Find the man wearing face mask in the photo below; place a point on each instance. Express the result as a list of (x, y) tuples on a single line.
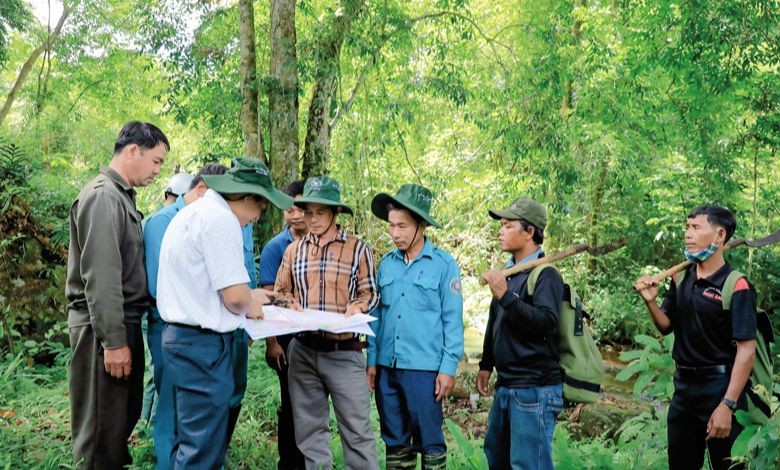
[(419, 332), (713, 348)]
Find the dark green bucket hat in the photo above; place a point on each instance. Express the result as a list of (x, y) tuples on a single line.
[(248, 176), (322, 190), (523, 208), (413, 197)]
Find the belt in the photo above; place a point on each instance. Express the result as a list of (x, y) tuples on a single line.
[(320, 342), (689, 372), (199, 329), (328, 336)]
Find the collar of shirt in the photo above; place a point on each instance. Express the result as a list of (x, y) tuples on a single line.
[(535, 255), (427, 250), (716, 279), (288, 234), (341, 236), (216, 197), (119, 181), (179, 204)]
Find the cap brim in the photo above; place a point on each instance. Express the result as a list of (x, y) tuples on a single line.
[(379, 208), (498, 215), (226, 184), (301, 202)]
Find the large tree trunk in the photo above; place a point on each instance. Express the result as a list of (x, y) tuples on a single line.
[(250, 123), (28, 64), (318, 126), (283, 93)]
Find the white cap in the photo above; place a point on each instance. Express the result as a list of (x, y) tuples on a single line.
[(179, 184)]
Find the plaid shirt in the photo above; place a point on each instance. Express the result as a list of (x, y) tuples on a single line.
[(330, 277)]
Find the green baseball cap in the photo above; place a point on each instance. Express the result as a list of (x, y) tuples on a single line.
[(322, 190), (523, 208), (412, 197), (248, 176)]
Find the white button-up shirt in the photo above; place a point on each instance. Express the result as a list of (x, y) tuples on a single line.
[(202, 252)]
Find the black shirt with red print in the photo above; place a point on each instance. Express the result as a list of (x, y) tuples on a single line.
[(705, 334)]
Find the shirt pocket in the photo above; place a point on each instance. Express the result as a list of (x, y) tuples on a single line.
[(427, 294), (134, 232), (387, 287)]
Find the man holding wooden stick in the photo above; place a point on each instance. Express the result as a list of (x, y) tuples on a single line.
[(714, 347), (519, 343)]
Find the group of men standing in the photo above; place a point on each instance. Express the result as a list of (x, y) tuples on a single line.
[(192, 269)]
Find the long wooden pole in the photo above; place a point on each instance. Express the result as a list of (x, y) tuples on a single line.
[(518, 268)]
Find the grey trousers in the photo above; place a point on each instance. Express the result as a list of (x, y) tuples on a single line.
[(314, 376)]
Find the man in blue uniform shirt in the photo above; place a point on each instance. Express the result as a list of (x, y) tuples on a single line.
[(419, 332)]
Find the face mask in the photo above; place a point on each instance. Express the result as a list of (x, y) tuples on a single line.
[(701, 255)]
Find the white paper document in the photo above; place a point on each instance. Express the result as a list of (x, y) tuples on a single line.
[(281, 321)]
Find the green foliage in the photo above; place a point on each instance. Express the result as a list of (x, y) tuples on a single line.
[(640, 445), (32, 273), (467, 454), (653, 366), (14, 14), (759, 442)]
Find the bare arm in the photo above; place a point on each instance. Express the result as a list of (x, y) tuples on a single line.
[(649, 295), (237, 298), (719, 425)]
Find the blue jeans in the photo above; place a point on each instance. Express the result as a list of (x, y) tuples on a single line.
[(162, 431), (409, 415), (521, 425)]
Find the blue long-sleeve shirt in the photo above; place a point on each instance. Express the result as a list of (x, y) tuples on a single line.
[(154, 229), (420, 314)]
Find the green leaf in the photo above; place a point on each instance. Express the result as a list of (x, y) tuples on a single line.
[(649, 342), (740, 447)]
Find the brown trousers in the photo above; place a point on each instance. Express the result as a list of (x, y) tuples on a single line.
[(104, 410)]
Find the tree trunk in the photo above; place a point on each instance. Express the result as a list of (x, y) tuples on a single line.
[(567, 102), (283, 93), (28, 64), (318, 126), (250, 127)]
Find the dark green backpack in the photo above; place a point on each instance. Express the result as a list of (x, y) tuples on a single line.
[(763, 363), (580, 357)]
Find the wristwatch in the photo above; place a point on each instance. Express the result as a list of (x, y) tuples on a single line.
[(731, 404)]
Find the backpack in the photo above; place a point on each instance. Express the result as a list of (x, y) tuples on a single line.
[(763, 363), (580, 357)]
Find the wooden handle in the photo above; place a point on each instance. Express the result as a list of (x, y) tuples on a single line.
[(518, 268), (662, 275)]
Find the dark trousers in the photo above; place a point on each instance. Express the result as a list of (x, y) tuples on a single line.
[(240, 360), (202, 383), (290, 457), (104, 410), (694, 400), (409, 415)]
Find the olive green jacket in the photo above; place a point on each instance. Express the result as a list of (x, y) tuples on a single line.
[(106, 284)]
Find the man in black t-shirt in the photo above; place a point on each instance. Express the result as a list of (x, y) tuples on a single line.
[(713, 349), (519, 343)]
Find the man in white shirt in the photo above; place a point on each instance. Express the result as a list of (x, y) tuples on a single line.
[(202, 294)]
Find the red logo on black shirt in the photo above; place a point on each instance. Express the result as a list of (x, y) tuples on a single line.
[(712, 293)]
